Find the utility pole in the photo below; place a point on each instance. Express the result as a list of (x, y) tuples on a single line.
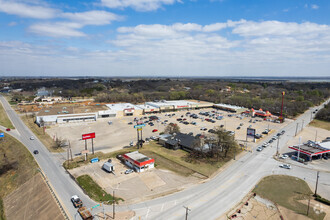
[(299, 149), (317, 181), (315, 135), (309, 201), (113, 205), (187, 210), (302, 126), (296, 129), (278, 141)]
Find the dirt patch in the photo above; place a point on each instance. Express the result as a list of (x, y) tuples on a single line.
[(32, 200), (119, 215)]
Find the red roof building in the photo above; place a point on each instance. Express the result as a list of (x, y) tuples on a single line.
[(138, 161)]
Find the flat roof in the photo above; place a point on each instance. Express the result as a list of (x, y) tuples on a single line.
[(137, 156), (70, 109), (172, 103), (309, 150), (146, 106), (121, 106), (228, 106)]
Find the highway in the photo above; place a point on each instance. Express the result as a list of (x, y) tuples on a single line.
[(209, 200)]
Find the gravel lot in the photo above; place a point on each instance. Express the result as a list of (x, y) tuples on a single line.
[(119, 134)]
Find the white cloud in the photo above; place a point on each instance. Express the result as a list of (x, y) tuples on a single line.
[(92, 17), (139, 5), (314, 7), (58, 29), (25, 10), (11, 24)]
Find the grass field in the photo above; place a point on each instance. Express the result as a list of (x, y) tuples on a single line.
[(16, 166), (321, 124), (165, 159), (38, 131), (286, 191), (4, 120), (94, 191)]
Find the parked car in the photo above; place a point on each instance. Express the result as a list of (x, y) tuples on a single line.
[(204, 129), (129, 171), (155, 130), (259, 149), (285, 166), (284, 156), (36, 152), (238, 128), (212, 131), (119, 157), (130, 123), (31, 138), (110, 122)]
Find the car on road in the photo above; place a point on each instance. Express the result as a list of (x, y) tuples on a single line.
[(286, 166), (130, 123), (76, 201), (31, 138), (129, 171), (259, 149), (35, 152), (8, 129), (155, 130), (284, 156)]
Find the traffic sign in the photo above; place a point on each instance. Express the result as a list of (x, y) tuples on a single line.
[(139, 126), (139, 129), (95, 206), (2, 135)]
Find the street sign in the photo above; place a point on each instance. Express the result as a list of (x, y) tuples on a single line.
[(251, 132), (85, 152), (95, 206), (139, 126), (2, 135), (88, 136)]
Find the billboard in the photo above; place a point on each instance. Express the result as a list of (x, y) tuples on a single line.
[(251, 132), (88, 136)]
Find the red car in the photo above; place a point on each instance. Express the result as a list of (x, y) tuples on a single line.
[(155, 130), (8, 129)]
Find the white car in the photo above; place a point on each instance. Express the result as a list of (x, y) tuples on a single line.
[(259, 149), (31, 138), (285, 166), (284, 156)]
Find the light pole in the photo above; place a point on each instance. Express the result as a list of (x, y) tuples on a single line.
[(278, 141), (317, 181), (299, 149), (187, 210)]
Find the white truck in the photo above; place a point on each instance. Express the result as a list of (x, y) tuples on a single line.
[(109, 167)]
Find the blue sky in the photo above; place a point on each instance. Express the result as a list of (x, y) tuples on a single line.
[(165, 38)]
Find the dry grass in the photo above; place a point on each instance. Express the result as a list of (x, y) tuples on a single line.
[(4, 120), (320, 124), (287, 191), (16, 166), (42, 136)]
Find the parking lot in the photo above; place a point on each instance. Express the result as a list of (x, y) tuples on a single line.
[(121, 131), (135, 187)]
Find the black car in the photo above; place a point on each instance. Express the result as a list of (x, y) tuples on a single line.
[(130, 123), (36, 152)]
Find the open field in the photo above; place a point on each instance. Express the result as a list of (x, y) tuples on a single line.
[(288, 192), (38, 131), (4, 120), (32, 200), (320, 124), (120, 133)]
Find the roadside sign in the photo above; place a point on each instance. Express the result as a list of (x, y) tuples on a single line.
[(251, 132), (88, 136), (2, 135), (139, 126), (84, 152), (94, 160), (95, 206), (139, 129)]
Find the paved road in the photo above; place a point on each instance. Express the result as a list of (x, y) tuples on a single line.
[(206, 201)]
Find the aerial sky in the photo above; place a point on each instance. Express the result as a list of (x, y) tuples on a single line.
[(165, 38)]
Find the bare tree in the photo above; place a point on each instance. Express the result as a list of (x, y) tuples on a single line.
[(172, 128)]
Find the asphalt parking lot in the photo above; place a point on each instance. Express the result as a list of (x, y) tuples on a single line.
[(120, 133)]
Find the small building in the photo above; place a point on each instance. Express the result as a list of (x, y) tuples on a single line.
[(312, 150), (138, 161), (148, 108)]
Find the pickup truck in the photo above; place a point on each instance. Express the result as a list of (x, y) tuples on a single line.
[(76, 201), (85, 213)]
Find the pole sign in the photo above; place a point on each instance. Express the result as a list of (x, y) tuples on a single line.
[(2, 135), (88, 136), (139, 126), (251, 132)]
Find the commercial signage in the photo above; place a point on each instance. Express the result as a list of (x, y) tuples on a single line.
[(88, 136), (251, 132), (182, 106), (2, 135), (85, 152), (139, 126)]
